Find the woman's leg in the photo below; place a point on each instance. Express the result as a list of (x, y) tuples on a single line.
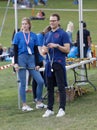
[(22, 77)]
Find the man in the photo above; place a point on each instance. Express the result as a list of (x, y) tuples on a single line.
[(86, 40), (56, 46)]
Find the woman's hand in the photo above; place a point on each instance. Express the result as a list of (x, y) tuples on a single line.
[(44, 50), (16, 67), (37, 67)]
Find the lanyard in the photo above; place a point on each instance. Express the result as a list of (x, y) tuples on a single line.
[(51, 60), (27, 40)]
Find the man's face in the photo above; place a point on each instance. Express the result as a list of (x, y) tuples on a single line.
[(54, 23)]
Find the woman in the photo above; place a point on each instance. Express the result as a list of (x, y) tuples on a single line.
[(69, 30), (39, 59), (24, 43)]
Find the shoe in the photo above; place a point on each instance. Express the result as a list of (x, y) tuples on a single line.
[(48, 113), (26, 108), (35, 100), (41, 105), (61, 113)]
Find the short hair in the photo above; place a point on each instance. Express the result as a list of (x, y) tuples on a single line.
[(56, 15), (84, 24)]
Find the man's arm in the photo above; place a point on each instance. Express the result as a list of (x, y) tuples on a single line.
[(65, 48), (89, 41)]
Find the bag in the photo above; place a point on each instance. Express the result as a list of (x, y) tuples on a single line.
[(48, 68)]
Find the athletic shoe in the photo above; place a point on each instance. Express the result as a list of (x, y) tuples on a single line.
[(60, 113), (48, 113), (41, 105), (26, 108), (35, 100)]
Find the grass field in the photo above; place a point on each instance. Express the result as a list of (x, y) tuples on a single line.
[(66, 15), (81, 114)]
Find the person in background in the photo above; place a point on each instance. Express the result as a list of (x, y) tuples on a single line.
[(89, 51), (44, 2), (40, 61), (39, 2), (13, 2), (5, 54), (56, 46), (24, 58), (36, 2), (73, 51), (86, 40), (39, 16), (69, 30), (1, 51)]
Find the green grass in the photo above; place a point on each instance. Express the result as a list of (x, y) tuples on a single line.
[(81, 114), (38, 26)]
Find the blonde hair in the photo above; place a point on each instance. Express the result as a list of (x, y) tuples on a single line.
[(28, 21), (70, 27)]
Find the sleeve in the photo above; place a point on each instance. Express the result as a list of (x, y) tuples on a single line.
[(66, 38), (16, 38), (36, 53), (35, 40), (15, 54), (40, 39)]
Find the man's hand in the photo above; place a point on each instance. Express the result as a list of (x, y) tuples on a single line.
[(52, 45), (37, 67)]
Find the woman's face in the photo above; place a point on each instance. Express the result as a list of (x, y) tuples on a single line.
[(25, 25)]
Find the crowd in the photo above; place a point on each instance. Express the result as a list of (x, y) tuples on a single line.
[(29, 3)]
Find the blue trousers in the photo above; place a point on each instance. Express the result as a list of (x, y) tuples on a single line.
[(28, 62)]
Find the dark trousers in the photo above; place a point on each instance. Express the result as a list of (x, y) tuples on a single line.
[(85, 49), (59, 73)]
